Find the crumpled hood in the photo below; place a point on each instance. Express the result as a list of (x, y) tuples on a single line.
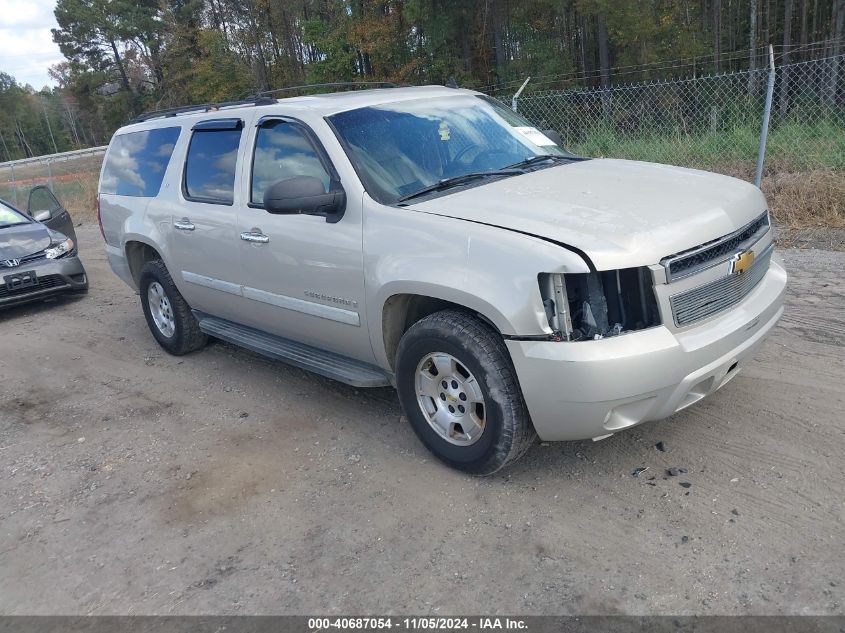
[(23, 239), (620, 213)]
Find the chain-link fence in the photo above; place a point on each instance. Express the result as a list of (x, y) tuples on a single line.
[(712, 122), (72, 176)]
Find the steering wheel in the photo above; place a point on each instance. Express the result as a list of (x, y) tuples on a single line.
[(461, 153), (484, 160)]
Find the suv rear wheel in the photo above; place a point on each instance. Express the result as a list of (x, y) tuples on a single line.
[(459, 390), (168, 316)]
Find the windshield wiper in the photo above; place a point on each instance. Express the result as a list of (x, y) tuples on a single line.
[(448, 183), (531, 160)]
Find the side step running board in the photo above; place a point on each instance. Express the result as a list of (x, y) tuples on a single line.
[(328, 364)]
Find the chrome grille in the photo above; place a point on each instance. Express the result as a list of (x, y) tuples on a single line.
[(34, 257), (712, 253), (704, 301)]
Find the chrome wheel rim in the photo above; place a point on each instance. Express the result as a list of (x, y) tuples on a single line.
[(161, 310), (450, 398)]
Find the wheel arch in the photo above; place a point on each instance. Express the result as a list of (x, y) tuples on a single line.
[(401, 310), (138, 253)]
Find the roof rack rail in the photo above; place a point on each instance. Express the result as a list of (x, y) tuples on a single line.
[(257, 100), (335, 84)]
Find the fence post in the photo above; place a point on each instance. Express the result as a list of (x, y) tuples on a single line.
[(49, 175), (14, 185), (519, 92), (767, 113)]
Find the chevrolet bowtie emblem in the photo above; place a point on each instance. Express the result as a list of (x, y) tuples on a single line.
[(741, 262)]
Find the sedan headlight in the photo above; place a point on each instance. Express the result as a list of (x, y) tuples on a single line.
[(59, 249), (588, 306)]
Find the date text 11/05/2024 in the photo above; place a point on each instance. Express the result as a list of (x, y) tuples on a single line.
[(417, 623)]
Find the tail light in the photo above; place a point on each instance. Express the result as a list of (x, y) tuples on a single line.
[(100, 217)]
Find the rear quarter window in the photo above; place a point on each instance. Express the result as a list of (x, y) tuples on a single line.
[(210, 164), (136, 162)]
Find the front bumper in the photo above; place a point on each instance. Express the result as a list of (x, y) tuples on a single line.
[(55, 277), (590, 389)]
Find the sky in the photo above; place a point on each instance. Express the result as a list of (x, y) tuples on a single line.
[(26, 44)]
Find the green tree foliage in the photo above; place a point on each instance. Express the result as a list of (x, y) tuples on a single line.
[(30, 122), (125, 35), (125, 56)]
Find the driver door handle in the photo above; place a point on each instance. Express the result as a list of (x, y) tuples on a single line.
[(255, 236), (184, 225)]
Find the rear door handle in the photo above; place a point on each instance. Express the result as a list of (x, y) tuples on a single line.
[(255, 236), (184, 225)]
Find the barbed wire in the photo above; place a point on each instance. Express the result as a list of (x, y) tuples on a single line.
[(676, 80), (684, 62), (681, 61)]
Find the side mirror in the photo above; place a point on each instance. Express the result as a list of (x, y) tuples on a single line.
[(42, 216), (306, 195), (554, 136)]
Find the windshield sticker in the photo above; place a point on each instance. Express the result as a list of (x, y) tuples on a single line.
[(444, 131), (535, 136)]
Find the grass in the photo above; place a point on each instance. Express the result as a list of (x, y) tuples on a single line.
[(78, 195), (804, 177), (791, 146), (806, 199)]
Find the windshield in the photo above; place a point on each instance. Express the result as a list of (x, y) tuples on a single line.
[(400, 148), (10, 217)]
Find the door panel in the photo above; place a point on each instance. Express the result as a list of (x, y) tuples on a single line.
[(203, 244), (42, 199), (204, 252), (305, 281)]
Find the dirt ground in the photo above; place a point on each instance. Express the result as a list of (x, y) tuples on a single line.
[(136, 482)]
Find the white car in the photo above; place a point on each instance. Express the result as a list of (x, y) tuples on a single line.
[(431, 239)]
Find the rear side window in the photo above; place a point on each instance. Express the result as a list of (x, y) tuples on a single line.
[(210, 165), (137, 161)]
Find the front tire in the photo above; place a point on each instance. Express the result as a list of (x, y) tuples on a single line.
[(168, 315), (459, 390)]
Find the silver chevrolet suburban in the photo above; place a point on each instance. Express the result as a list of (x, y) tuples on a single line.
[(431, 239)]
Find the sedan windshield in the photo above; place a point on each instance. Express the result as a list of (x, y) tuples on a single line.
[(10, 217), (404, 149)]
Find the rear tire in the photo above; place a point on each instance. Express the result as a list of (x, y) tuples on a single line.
[(459, 390), (168, 315)]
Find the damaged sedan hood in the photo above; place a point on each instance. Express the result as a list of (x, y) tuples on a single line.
[(21, 240), (620, 213)]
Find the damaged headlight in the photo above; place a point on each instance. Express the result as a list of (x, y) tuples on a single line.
[(59, 249), (588, 306)]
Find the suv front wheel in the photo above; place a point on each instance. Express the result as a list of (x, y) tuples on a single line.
[(459, 390), (168, 315)]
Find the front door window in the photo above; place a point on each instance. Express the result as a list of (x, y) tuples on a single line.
[(282, 151)]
